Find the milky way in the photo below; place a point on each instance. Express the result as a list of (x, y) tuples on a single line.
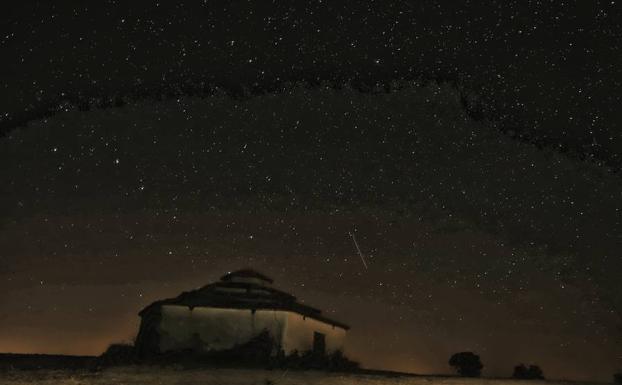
[(552, 64)]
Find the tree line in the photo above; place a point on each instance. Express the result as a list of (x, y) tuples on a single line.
[(469, 364)]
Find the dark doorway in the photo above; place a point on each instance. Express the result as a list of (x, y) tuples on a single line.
[(319, 343)]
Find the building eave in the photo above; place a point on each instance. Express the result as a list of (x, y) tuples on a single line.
[(156, 306), (227, 294)]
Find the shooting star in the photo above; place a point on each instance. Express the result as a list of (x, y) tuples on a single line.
[(358, 249)]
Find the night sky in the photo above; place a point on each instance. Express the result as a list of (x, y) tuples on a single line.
[(472, 149)]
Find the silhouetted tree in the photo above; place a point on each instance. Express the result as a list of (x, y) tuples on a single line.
[(117, 354), (617, 378), (533, 372), (467, 364)]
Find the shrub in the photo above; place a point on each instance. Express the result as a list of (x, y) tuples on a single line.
[(533, 372), (117, 354), (336, 361), (467, 364)]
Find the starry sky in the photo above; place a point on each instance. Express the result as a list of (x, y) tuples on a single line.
[(472, 149)]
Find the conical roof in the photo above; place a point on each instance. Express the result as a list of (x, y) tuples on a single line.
[(242, 289)]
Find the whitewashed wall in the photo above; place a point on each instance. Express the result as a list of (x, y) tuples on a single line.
[(217, 328), (224, 328), (298, 334)]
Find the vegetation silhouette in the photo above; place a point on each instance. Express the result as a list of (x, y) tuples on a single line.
[(533, 372), (118, 354), (18, 361), (467, 364), (262, 351), (617, 377)]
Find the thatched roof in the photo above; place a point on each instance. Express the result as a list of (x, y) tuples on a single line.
[(228, 294)]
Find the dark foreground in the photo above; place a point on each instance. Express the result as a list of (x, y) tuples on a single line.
[(21, 369), (157, 375)]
